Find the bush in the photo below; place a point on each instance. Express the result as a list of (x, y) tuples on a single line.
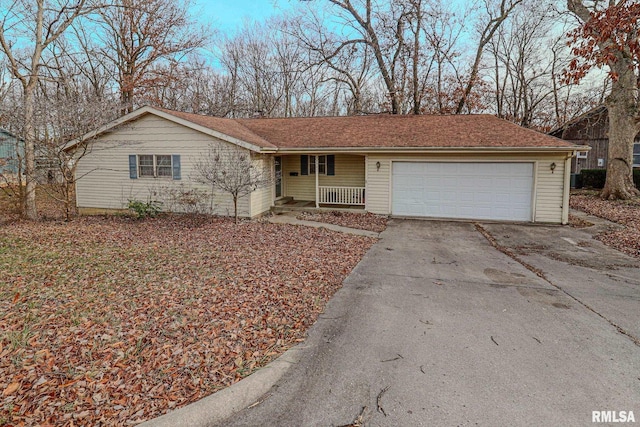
[(595, 178), (144, 209)]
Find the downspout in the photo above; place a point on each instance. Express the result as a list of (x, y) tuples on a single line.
[(566, 190), (317, 161)]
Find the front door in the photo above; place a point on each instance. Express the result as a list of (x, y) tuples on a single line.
[(278, 168)]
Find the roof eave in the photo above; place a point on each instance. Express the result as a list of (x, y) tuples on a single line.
[(150, 110), (445, 150)]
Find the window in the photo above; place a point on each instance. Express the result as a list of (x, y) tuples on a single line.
[(145, 166), (322, 165), (163, 166), (154, 166), (326, 165), (636, 155)]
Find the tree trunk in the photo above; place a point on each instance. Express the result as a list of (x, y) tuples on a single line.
[(235, 208), (30, 211), (67, 200), (417, 98), (623, 128)]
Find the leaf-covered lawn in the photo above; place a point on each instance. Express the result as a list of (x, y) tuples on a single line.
[(113, 321), (626, 213), (362, 221)]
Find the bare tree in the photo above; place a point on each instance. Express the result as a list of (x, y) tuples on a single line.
[(444, 28), (97, 72), (233, 171), (383, 30), (523, 71), (349, 66), (39, 25), (139, 35), (496, 14), (248, 58), (61, 124)]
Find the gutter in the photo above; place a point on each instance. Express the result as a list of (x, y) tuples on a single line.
[(573, 149)]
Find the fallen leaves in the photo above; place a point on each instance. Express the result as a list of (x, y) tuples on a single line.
[(10, 389), (625, 212), (106, 320), (362, 221)]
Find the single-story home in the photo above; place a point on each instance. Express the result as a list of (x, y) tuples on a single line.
[(592, 129), (456, 166)]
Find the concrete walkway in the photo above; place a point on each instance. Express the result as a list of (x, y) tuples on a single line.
[(291, 218)]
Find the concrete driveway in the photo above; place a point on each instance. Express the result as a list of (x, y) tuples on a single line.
[(439, 325)]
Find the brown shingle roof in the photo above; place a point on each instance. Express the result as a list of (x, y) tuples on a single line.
[(378, 131), (228, 127), (388, 131)]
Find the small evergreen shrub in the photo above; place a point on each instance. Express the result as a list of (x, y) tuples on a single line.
[(595, 178), (144, 209)]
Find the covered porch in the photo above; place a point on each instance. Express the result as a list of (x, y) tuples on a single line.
[(307, 181)]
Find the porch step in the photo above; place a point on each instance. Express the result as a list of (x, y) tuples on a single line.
[(283, 200)]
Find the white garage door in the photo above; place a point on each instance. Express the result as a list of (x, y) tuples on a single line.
[(501, 191)]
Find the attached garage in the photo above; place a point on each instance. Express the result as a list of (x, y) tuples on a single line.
[(464, 190)]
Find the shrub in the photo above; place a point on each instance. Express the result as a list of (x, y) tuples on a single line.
[(144, 209), (595, 178), (181, 198)]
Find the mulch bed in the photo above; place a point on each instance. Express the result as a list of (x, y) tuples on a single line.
[(362, 221), (625, 212), (113, 321)]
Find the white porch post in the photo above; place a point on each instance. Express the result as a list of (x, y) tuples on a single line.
[(317, 182)]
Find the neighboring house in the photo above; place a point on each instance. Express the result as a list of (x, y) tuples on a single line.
[(463, 166), (592, 129), (10, 152)]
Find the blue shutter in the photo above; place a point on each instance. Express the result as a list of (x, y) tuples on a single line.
[(176, 166), (304, 165), (331, 164), (133, 166)]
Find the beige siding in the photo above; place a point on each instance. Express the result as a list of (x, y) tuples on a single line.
[(549, 191), (548, 194), (378, 192), (262, 198), (103, 173), (349, 173)]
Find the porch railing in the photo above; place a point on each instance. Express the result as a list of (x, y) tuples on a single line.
[(341, 195)]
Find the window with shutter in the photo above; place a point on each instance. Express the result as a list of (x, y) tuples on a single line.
[(155, 166), (322, 165)]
